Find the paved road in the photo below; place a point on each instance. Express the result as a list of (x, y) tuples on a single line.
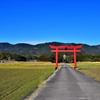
[(70, 84)]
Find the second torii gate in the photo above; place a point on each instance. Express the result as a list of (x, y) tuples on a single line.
[(73, 49)]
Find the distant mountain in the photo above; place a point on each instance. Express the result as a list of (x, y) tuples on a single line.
[(43, 48)]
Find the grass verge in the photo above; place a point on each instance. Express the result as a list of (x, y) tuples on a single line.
[(89, 68)]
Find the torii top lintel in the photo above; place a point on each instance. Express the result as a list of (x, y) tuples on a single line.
[(62, 47)]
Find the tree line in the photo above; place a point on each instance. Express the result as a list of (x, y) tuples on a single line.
[(51, 57), (11, 56), (70, 58)]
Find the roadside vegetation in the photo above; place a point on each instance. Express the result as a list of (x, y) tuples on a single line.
[(20, 78), (89, 68)]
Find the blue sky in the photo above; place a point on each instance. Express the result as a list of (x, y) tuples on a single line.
[(36, 21)]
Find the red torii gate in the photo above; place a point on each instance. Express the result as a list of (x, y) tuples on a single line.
[(73, 49)]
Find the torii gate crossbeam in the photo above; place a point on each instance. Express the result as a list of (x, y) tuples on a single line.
[(73, 49)]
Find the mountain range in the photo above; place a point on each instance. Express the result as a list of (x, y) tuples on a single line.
[(43, 48)]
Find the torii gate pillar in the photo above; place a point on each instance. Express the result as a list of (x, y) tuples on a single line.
[(56, 58), (73, 49), (75, 63)]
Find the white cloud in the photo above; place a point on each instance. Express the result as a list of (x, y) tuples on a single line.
[(33, 42)]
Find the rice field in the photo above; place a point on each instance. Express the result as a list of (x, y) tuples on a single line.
[(89, 68), (19, 79)]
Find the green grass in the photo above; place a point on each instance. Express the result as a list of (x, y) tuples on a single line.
[(19, 79), (89, 68)]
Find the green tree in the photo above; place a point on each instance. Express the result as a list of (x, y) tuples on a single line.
[(44, 58)]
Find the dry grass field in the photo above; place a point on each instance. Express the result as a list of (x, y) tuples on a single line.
[(19, 79), (89, 68)]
